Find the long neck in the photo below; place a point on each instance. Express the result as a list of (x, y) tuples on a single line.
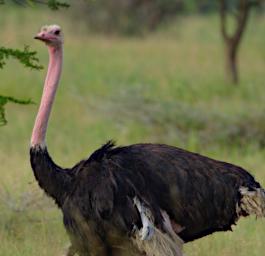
[(49, 91), (53, 179)]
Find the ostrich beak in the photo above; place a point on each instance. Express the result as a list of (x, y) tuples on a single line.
[(37, 37), (42, 37)]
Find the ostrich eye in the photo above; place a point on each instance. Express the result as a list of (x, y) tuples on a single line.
[(57, 32)]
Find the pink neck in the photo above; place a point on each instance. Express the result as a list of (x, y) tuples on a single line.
[(49, 91)]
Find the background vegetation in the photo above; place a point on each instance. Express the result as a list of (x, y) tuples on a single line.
[(165, 87)]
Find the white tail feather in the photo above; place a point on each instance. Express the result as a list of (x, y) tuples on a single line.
[(253, 202)]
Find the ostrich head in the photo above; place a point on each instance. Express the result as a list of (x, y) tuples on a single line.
[(51, 35)]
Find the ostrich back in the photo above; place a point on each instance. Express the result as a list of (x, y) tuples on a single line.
[(198, 193)]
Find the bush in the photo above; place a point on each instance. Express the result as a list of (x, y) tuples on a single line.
[(127, 16)]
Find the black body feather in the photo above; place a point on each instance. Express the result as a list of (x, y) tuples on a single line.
[(96, 195)]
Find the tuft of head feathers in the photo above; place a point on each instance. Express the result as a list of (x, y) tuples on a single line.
[(49, 28)]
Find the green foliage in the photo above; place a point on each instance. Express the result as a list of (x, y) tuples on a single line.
[(26, 57), (55, 5), (52, 4), (201, 6), (3, 101)]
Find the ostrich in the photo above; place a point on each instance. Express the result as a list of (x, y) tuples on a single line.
[(141, 199)]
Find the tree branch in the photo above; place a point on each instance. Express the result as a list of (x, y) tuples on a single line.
[(4, 100), (244, 8), (26, 57), (52, 4), (223, 15)]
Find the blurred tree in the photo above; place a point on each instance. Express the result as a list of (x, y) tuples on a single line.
[(199, 6), (26, 57), (239, 10), (128, 16)]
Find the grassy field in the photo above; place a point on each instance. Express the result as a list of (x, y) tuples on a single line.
[(168, 87)]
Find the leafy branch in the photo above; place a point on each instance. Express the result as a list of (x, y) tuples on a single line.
[(52, 4), (4, 100), (28, 59), (55, 5), (25, 56)]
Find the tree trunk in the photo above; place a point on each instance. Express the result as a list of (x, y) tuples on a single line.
[(231, 62), (232, 41)]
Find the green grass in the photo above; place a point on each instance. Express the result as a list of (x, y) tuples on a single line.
[(168, 87)]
